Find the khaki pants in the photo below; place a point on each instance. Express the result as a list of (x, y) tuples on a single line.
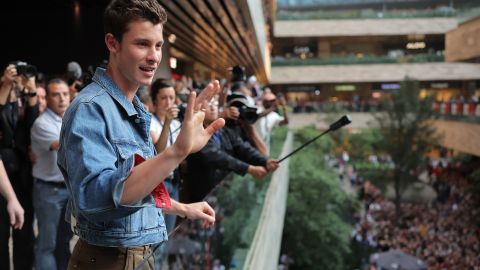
[(86, 257)]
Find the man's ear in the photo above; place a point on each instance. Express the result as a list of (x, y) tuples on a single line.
[(111, 42)]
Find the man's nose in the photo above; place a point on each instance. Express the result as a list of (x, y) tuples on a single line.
[(154, 55)]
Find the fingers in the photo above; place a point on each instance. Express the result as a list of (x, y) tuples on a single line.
[(172, 112), (206, 95), (216, 125), (19, 221), (208, 216), (13, 220), (190, 105), (272, 165), (204, 212)]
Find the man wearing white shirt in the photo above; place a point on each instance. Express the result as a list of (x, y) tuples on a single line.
[(269, 118), (50, 194)]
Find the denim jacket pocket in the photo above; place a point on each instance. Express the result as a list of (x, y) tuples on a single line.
[(126, 148)]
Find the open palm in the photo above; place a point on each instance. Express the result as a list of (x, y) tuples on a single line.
[(193, 136)]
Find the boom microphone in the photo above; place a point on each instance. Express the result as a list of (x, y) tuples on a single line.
[(345, 120)]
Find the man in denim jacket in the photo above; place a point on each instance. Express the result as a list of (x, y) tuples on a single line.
[(105, 128)]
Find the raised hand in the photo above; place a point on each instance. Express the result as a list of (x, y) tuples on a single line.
[(193, 136), (172, 112)]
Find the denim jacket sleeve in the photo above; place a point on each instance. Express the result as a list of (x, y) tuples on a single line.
[(93, 166)]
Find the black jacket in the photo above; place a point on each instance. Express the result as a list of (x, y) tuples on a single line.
[(15, 124), (206, 168)]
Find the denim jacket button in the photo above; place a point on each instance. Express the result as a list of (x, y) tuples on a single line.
[(92, 260)]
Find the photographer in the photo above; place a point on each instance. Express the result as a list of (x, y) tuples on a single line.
[(74, 79), (164, 130), (240, 117), (225, 152), (268, 117), (18, 111)]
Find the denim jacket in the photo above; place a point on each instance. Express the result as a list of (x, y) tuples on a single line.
[(100, 134)]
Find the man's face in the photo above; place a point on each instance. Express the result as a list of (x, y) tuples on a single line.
[(42, 101), (211, 114), (58, 97), (269, 103), (140, 52)]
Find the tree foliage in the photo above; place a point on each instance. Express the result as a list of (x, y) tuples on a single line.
[(317, 223), (407, 133)]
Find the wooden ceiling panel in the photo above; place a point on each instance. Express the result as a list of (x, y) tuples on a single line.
[(217, 33)]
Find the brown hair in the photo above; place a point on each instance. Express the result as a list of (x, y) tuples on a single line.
[(119, 13), (157, 85)]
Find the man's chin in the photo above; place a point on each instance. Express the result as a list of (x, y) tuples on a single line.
[(146, 82)]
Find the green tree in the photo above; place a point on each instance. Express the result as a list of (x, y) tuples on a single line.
[(318, 219), (407, 134)]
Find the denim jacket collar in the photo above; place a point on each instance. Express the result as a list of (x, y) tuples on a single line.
[(103, 79)]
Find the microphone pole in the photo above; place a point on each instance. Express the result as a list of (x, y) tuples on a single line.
[(345, 120)]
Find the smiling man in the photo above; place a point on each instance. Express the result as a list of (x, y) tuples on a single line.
[(105, 133)]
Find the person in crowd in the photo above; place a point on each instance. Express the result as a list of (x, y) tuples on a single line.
[(164, 130), (42, 101), (50, 193), (269, 118), (254, 87), (182, 89), (225, 152), (143, 94), (18, 111), (106, 155), (242, 123), (14, 209), (74, 78)]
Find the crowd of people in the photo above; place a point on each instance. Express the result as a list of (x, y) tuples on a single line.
[(457, 106), (443, 233)]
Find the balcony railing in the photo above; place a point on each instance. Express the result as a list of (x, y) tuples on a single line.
[(239, 202), (355, 60), (366, 14), (457, 111)]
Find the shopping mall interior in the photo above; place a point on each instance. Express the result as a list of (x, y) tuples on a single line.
[(397, 188)]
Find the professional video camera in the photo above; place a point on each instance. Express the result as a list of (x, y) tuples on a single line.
[(247, 113), (25, 69), (238, 74)]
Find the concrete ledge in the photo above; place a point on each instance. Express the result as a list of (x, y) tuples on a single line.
[(364, 27), (264, 251), (374, 73)]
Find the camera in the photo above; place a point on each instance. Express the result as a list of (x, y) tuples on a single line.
[(247, 113), (238, 74), (25, 69), (181, 111)]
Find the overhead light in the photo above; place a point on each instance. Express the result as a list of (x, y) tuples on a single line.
[(390, 86), (416, 45), (173, 62), (172, 38), (345, 87)]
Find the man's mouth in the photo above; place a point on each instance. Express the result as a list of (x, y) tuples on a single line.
[(148, 69)]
